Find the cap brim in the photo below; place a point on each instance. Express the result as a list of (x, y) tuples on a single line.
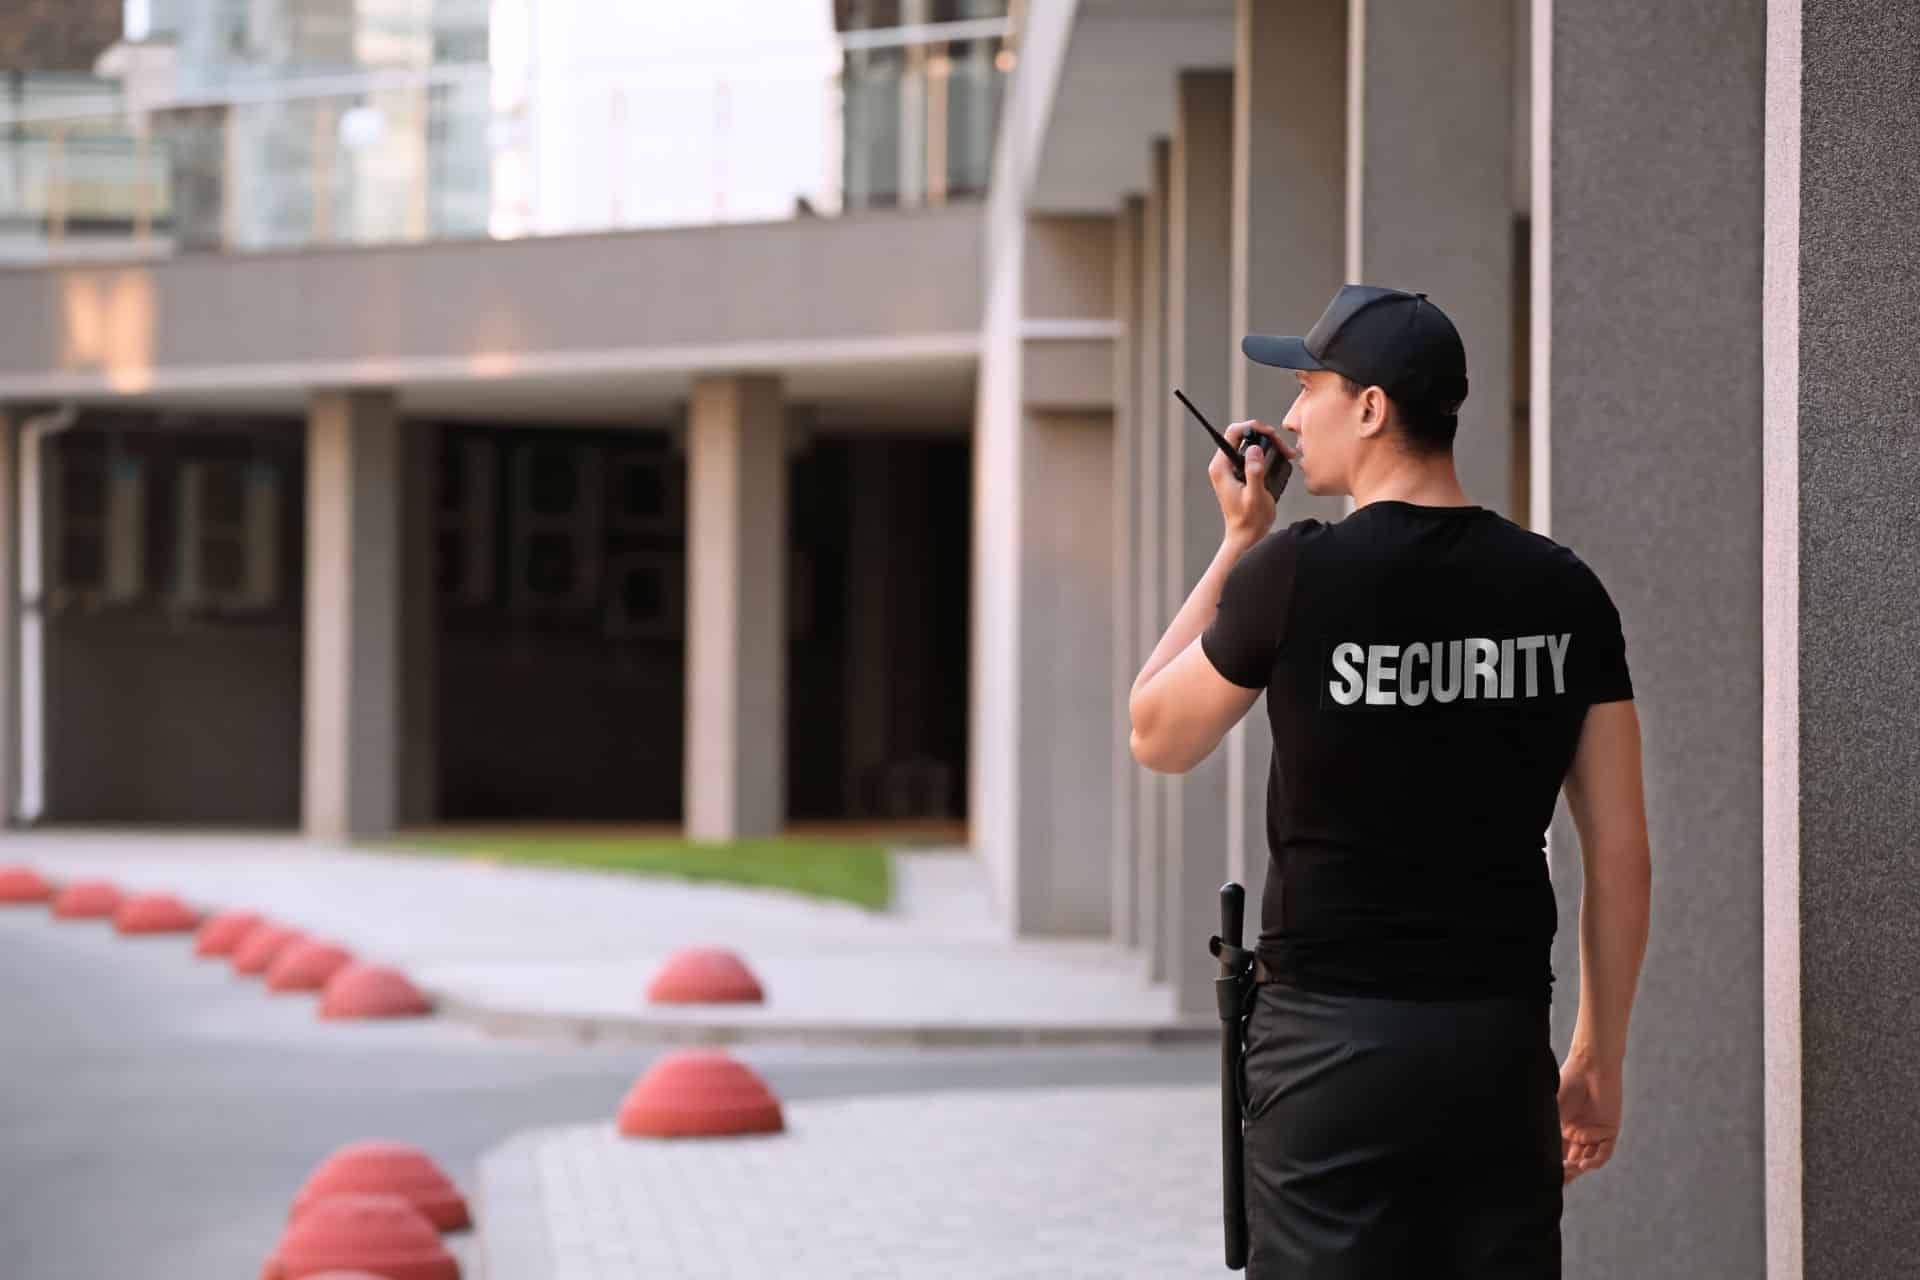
[(1281, 353)]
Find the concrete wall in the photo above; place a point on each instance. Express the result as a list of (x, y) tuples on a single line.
[(1288, 226), (1428, 201), (678, 298), (996, 784), (1066, 604), (9, 612), (1128, 485), (1842, 560), (1646, 447), (1150, 586), (1199, 226)]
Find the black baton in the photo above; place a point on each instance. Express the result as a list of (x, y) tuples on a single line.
[(1232, 990)]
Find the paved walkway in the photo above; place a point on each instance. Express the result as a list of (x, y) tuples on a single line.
[(552, 951), (1106, 1183)]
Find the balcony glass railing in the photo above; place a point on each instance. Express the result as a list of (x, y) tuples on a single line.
[(874, 119)]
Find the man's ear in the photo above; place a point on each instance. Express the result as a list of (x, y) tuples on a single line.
[(1373, 411)]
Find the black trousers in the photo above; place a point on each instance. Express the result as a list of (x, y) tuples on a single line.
[(1400, 1138)]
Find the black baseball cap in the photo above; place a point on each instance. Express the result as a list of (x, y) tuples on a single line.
[(1387, 338)]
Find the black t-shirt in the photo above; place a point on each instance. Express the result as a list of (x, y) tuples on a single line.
[(1427, 670)]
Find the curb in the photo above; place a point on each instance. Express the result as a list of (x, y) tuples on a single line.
[(726, 1030)]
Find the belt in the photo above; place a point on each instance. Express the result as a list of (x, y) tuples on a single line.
[(1261, 974)]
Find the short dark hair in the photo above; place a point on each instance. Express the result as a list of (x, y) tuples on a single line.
[(1427, 427)]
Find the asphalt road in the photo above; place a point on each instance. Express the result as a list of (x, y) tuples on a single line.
[(158, 1113)]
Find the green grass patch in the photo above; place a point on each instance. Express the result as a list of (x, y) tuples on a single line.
[(855, 872)]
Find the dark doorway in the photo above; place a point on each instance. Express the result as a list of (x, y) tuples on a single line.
[(877, 704), (169, 621)]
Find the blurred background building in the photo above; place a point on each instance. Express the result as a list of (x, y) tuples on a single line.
[(525, 654), (739, 413)]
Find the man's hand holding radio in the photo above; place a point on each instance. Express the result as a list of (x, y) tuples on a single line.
[(1248, 508)]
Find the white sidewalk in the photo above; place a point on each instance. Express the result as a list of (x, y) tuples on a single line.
[(547, 950), (1101, 1183)]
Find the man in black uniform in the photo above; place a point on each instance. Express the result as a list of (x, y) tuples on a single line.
[(1434, 674)]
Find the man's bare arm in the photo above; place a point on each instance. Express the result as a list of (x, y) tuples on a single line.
[(1605, 797)]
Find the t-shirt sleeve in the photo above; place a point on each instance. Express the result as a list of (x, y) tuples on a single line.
[(1250, 625), (1600, 668)]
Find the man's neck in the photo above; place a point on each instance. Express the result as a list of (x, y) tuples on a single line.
[(1431, 484)]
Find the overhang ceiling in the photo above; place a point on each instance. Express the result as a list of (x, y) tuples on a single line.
[(1116, 95), (926, 394)]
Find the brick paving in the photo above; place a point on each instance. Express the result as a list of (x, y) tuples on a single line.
[(1049, 1182)]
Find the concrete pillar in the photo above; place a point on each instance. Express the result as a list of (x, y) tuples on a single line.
[(1066, 701), (1289, 182), (1648, 196), (1041, 766), (1841, 605), (1150, 835), (1198, 230), (1065, 582), (1429, 203), (351, 709), (736, 654), (9, 613), (1125, 505)]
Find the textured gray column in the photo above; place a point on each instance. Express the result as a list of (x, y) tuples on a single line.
[(1289, 180), (1126, 560), (1199, 185), (736, 655), (1842, 562), (1648, 189), (1150, 835), (1429, 204), (351, 713)]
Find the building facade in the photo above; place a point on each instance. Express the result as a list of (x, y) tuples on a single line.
[(652, 504)]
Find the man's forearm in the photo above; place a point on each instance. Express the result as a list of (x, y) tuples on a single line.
[(1613, 942), (1197, 612)]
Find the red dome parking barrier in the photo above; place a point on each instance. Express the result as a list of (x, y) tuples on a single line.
[(381, 1167), (155, 913), (87, 900), (699, 1093), (704, 975), (306, 965), (382, 1234), (261, 947), (22, 884), (222, 934), (369, 991)]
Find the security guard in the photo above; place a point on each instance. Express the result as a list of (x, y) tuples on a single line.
[(1434, 675)]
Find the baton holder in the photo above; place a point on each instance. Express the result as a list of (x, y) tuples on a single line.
[(1233, 994)]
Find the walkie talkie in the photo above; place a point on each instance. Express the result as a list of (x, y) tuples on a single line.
[(1279, 467)]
